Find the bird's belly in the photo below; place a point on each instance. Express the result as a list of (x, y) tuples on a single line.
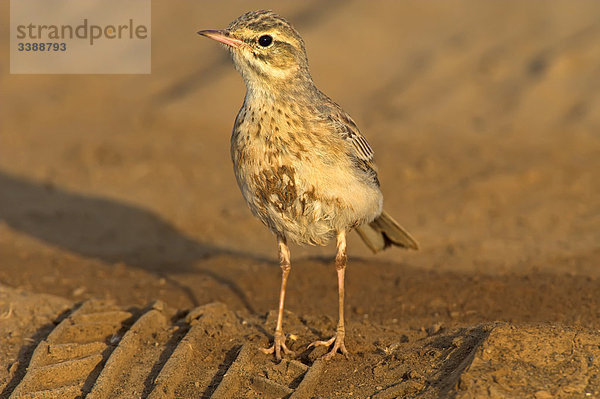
[(304, 200)]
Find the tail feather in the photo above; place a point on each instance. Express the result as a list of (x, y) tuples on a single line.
[(384, 232)]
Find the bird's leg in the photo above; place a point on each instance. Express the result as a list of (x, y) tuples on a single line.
[(279, 337), (338, 339)]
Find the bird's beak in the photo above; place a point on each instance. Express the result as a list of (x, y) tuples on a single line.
[(222, 36)]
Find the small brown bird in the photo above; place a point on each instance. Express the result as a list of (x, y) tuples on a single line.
[(302, 165)]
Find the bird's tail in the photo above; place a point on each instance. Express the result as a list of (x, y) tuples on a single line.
[(384, 232)]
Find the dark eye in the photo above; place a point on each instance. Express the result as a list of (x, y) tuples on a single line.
[(265, 40)]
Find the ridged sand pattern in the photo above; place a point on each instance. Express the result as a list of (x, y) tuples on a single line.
[(100, 351), (72, 355)]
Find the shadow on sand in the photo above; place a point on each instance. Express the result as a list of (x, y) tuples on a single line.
[(109, 230)]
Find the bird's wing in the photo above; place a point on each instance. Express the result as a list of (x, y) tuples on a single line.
[(346, 127), (360, 149)]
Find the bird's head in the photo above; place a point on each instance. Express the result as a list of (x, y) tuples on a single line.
[(265, 48)]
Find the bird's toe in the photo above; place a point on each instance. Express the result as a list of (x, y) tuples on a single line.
[(338, 345)]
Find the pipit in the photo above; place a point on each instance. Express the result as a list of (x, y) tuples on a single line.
[(302, 165)]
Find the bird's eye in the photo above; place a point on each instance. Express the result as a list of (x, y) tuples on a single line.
[(265, 40)]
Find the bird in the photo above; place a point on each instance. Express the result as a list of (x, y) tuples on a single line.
[(300, 161)]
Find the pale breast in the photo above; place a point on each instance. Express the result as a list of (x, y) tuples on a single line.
[(296, 182)]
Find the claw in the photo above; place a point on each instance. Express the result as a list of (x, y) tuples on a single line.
[(338, 345), (278, 346)]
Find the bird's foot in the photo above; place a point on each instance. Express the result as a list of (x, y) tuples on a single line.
[(338, 345), (278, 346)]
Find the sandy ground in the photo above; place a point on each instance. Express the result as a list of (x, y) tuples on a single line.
[(484, 117)]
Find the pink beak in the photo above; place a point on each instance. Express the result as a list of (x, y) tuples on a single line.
[(221, 36)]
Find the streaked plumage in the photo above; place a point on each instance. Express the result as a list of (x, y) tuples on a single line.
[(302, 164)]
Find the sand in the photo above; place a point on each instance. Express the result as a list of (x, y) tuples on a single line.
[(484, 118)]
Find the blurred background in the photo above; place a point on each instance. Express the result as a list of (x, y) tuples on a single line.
[(484, 118)]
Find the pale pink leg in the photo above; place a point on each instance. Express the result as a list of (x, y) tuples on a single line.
[(338, 339), (279, 337)]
